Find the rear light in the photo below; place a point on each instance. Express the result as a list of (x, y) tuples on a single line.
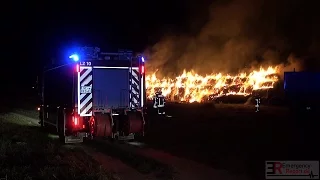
[(75, 120), (38, 108), (142, 69), (78, 68)]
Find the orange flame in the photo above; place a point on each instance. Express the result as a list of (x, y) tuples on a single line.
[(192, 87)]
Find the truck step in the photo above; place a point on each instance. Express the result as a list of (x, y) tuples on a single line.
[(74, 139)]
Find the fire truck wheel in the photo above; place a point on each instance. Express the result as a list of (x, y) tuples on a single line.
[(60, 128), (102, 125), (134, 123)]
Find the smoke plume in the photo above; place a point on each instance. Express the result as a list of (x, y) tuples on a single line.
[(241, 34)]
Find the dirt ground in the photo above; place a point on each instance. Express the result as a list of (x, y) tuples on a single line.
[(204, 141), (26, 152), (233, 137), (43, 156)]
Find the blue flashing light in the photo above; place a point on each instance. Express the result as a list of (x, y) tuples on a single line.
[(142, 59), (74, 57)]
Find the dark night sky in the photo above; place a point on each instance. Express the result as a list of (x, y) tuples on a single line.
[(37, 31), (120, 23), (34, 32)]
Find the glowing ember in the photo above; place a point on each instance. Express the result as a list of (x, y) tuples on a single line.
[(192, 87)]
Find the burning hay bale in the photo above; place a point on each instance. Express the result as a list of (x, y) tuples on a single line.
[(191, 87)]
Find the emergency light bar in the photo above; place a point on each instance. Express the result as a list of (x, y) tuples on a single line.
[(85, 54), (75, 57)]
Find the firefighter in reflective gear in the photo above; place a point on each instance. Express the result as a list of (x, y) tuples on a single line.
[(258, 102), (159, 102)]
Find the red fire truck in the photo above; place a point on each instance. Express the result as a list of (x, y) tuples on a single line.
[(99, 94)]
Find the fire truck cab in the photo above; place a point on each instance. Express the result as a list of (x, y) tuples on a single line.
[(99, 94)]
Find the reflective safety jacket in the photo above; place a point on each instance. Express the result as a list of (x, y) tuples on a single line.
[(158, 101)]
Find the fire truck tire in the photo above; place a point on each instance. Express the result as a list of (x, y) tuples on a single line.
[(60, 128), (134, 123), (101, 125)]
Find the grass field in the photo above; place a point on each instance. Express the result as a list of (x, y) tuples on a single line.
[(28, 153), (233, 137)]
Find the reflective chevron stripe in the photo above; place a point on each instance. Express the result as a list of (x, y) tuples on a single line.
[(134, 88), (85, 91)]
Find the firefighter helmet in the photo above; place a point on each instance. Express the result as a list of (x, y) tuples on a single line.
[(159, 92)]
